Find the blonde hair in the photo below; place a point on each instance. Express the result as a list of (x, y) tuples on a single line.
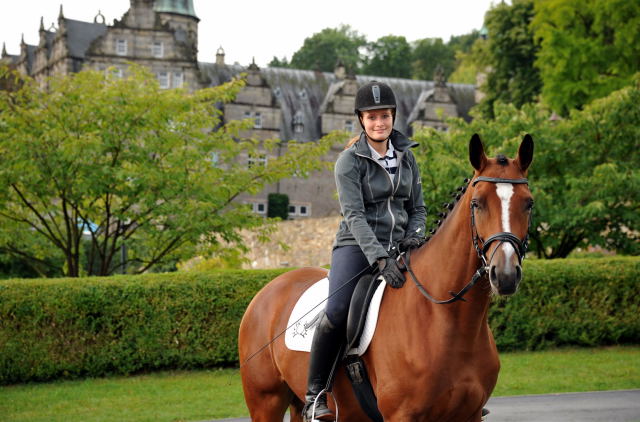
[(352, 141)]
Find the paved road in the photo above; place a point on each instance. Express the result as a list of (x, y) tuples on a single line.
[(601, 406)]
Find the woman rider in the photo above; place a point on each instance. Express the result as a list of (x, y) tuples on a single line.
[(380, 195)]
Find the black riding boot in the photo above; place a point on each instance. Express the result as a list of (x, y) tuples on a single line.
[(324, 350)]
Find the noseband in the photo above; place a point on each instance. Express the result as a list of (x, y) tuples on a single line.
[(520, 247)]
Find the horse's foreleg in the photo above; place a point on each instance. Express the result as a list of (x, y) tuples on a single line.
[(295, 410), (270, 408)]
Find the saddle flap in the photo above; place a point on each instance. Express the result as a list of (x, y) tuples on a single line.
[(358, 308)]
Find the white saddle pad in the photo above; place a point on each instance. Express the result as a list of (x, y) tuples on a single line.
[(307, 312)]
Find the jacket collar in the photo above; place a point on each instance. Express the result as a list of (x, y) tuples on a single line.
[(399, 141)]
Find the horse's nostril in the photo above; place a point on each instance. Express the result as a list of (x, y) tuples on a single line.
[(492, 273), (518, 273)]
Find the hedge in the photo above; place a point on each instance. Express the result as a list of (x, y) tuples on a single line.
[(571, 302), (66, 328)]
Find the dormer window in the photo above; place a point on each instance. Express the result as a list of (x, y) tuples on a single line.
[(121, 47), (158, 49), (298, 124), (257, 119)]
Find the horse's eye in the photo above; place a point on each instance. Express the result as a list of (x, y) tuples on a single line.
[(530, 205), (475, 203)]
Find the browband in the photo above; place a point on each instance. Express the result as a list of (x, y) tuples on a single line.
[(499, 180)]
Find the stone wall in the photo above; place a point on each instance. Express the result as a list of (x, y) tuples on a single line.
[(309, 242)]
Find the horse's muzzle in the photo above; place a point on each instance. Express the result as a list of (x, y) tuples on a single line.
[(505, 278)]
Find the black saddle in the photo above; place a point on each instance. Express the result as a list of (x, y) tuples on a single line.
[(360, 301)]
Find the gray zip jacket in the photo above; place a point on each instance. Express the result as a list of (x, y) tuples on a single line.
[(376, 211)]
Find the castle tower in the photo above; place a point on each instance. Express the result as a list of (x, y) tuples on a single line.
[(180, 16)]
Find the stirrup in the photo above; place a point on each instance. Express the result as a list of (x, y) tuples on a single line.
[(305, 409)]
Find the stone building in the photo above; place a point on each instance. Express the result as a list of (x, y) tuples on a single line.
[(288, 104)]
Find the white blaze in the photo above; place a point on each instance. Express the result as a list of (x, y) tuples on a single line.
[(505, 192)]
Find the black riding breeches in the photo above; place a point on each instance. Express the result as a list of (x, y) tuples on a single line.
[(346, 263)]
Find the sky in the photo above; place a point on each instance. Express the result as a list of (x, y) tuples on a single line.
[(260, 30)]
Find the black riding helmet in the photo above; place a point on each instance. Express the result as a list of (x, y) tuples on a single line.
[(373, 96)]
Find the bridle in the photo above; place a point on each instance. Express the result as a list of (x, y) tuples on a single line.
[(481, 246), (520, 246)]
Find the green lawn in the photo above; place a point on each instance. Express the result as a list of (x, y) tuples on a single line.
[(205, 395)]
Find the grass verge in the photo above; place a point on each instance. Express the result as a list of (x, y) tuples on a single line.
[(205, 395)]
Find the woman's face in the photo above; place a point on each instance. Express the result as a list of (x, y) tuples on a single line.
[(378, 124)]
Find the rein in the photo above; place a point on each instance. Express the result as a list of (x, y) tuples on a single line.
[(520, 247)]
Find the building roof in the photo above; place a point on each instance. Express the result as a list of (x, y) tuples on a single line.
[(80, 35), (303, 93)]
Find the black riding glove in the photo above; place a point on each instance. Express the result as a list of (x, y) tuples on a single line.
[(390, 272), (409, 243)]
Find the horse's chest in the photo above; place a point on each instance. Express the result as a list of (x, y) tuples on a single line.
[(448, 388)]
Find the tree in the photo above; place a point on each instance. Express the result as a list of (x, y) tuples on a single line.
[(276, 62), (389, 56), (94, 164), (470, 64), (585, 177), (587, 49), (428, 54), (513, 77), (463, 43), (323, 50)]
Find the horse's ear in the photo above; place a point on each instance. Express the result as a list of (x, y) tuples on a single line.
[(476, 153), (525, 153)]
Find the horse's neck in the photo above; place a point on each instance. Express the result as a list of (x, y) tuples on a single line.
[(448, 262)]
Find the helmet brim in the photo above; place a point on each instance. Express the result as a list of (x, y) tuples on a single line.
[(376, 107)]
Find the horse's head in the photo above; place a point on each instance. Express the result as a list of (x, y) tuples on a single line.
[(501, 205)]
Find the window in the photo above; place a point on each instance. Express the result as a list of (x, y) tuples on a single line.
[(298, 124), (178, 79), (215, 159), (259, 207), (257, 160), (116, 72), (157, 49), (121, 47), (163, 80), (257, 117), (348, 125), (298, 210)]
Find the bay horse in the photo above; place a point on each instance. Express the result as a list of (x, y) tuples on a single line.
[(430, 359)]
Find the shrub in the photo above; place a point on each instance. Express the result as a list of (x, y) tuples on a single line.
[(65, 328), (278, 206), (571, 302)]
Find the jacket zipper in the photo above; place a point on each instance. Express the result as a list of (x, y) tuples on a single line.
[(393, 192)]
